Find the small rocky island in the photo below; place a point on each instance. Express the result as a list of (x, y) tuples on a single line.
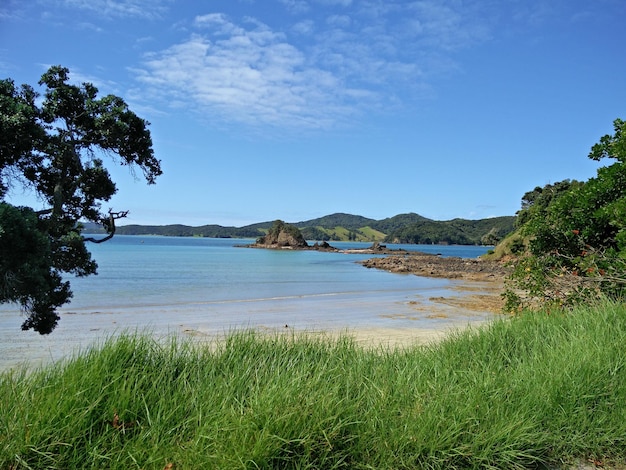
[(282, 236)]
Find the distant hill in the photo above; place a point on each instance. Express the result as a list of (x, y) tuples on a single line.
[(399, 221), (402, 228), (453, 232), (177, 230), (348, 221)]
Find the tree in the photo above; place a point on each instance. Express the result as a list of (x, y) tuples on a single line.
[(577, 234), (56, 149), (535, 202)]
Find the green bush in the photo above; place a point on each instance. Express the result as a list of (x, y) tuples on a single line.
[(577, 235)]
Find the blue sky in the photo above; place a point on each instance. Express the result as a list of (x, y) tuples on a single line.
[(295, 109)]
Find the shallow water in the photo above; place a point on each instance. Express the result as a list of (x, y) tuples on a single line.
[(205, 287)]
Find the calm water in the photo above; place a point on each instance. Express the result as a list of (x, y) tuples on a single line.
[(204, 286)]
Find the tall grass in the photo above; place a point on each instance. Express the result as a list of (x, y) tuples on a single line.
[(519, 393)]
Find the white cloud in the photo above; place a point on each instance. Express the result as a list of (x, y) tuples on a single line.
[(218, 22), (305, 27), (340, 21), (373, 56), (87, 26), (251, 76), (296, 6), (11, 9), (343, 3), (121, 8)]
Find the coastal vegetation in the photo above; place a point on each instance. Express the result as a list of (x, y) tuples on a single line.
[(523, 392), (543, 388), (570, 244), (179, 230), (49, 145), (454, 232), (402, 228)]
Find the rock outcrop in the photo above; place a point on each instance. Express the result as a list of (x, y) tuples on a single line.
[(282, 236), (423, 264), (323, 246)]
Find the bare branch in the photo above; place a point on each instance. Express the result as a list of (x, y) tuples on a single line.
[(110, 226)]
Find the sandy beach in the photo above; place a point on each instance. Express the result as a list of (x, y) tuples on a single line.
[(466, 304), (373, 319), (459, 309), (421, 321)]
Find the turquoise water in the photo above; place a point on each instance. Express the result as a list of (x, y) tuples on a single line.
[(149, 271), (204, 286)]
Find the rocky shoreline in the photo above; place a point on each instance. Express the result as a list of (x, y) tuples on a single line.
[(397, 261), (424, 264), (490, 274), (482, 280)]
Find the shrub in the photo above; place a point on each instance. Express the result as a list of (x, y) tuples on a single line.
[(577, 236)]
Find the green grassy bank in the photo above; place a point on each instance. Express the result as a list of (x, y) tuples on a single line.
[(532, 390)]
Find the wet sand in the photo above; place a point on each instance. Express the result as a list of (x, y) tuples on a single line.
[(465, 305), (377, 319)]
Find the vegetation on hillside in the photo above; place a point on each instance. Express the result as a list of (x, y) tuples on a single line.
[(398, 222), (454, 232), (529, 392), (177, 230), (402, 228), (348, 221), (574, 235), (340, 233)]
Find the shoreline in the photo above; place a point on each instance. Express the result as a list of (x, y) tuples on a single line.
[(374, 319), (424, 318), (481, 286), (467, 304), (428, 265), (482, 281)]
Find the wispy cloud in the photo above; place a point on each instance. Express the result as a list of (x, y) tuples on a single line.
[(296, 6), (354, 59), (343, 3), (11, 10), (121, 8), (251, 76)]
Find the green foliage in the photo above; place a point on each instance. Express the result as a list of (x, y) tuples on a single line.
[(341, 233), (349, 221), (54, 149), (316, 233), (536, 202), (398, 222), (178, 230), (611, 146), (529, 392), (577, 236), (454, 232), (404, 228), (27, 275)]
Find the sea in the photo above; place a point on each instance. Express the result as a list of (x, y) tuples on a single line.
[(203, 287)]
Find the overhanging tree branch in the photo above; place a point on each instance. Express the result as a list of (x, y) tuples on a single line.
[(110, 226), (51, 144)]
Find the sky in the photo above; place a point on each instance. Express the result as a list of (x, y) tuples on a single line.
[(295, 109)]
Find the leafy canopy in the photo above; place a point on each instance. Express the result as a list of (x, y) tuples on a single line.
[(576, 234), (56, 149)]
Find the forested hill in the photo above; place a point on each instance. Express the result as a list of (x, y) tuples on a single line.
[(402, 228)]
